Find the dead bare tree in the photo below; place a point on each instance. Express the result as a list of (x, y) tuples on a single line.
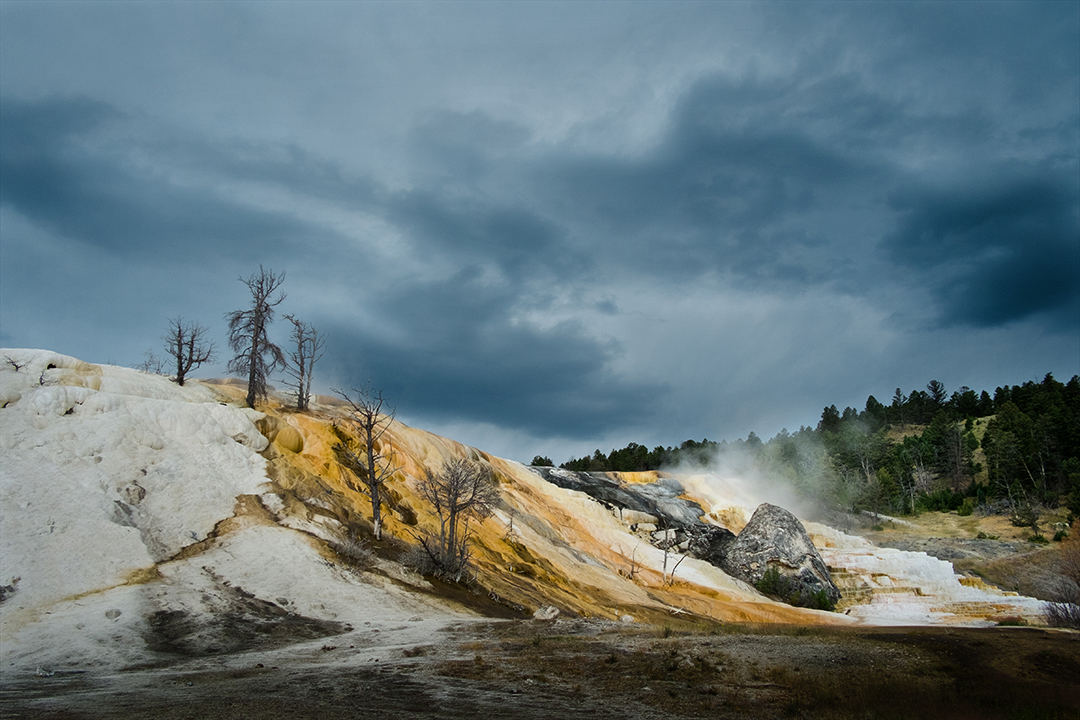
[(633, 565), (461, 491), (152, 363), (371, 464), (187, 344), (305, 351), (671, 578), (256, 356)]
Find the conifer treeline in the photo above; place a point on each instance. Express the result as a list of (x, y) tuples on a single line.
[(926, 450)]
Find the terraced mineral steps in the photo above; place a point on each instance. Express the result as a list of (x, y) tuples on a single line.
[(890, 587), (853, 589)]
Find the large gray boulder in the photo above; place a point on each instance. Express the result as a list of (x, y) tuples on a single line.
[(774, 538)]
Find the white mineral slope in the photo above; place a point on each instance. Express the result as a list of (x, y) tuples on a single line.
[(913, 588), (107, 470), (106, 474)]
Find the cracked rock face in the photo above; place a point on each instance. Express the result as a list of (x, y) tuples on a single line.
[(775, 538)]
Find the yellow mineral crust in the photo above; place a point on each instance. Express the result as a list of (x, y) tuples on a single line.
[(544, 545)]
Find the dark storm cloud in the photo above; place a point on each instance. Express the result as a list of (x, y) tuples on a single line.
[(459, 354), (518, 239), (731, 181), (287, 166), (62, 170), (999, 252), (454, 349), (762, 178), (460, 149), (466, 202)]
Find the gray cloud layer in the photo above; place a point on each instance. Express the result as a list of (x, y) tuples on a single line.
[(676, 243)]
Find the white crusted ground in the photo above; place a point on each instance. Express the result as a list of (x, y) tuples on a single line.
[(107, 473)]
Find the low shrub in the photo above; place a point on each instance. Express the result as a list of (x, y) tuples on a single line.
[(944, 500), (418, 559), (786, 589), (1062, 615), (820, 601), (773, 583), (355, 552), (1026, 515)]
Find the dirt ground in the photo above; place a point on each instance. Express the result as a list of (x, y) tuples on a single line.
[(485, 668), (596, 669)]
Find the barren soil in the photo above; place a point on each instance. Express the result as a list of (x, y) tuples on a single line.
[(596, 669)]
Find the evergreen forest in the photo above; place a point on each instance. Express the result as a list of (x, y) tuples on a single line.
[(926, 450)]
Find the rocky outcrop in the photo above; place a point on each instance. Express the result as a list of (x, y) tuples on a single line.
[(775, 539), (708, 542), (659, 499)]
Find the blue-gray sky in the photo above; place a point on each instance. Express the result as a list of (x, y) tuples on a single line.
[(545, 228)]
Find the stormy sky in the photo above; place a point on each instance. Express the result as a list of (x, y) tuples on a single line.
[(546, 228)]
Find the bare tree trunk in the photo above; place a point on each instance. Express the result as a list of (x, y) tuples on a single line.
[(256, 356), (374, 466), (376, 505), (253, 373), (462, 490), (187, 344), (305, 351)]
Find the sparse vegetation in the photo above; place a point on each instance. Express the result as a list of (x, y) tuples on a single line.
[(1064, 611), (152, 363), (783, 588), (462, 491), (1026, 515), (355, 552), (1063, 615)]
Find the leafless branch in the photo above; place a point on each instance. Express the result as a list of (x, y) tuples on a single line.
[(461, 491), (306, 350), (186, 343), (256, 356), (371, 465)]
